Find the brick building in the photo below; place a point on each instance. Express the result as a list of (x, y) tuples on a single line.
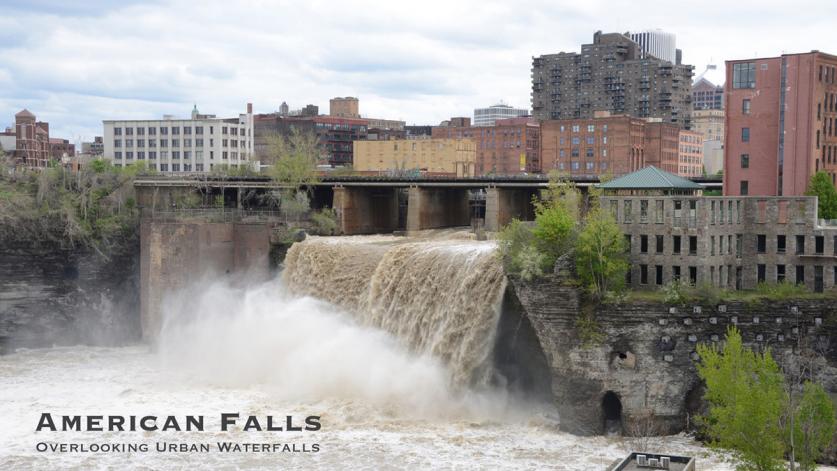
[(61, 148), (32, 147), (731, 242), (611, 74), (509, 147), (780, 123), (335, 134), (348, 107), (607, 144)]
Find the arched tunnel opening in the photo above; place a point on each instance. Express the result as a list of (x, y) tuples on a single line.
[(612, 413), (519, 360)]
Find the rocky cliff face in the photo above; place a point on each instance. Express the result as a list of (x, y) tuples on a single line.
[(631, 368), (53, 296)]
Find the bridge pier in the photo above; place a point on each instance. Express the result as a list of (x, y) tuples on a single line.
[(434, 207), (504, 204), (366, 210)]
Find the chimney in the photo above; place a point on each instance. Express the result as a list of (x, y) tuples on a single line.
[(249, 108)]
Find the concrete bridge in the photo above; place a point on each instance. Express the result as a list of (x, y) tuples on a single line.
[(376, 204)]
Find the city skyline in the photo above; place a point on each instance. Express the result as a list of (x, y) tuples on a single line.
[(75, 66)]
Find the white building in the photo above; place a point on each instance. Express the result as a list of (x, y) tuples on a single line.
[(658, 43), (182, 145), (487, 116)]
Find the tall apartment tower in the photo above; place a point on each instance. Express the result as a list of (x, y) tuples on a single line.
[(781, 123), (657, 43), (612, 75)]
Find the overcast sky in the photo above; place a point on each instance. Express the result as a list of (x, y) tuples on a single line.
[(421, 62)]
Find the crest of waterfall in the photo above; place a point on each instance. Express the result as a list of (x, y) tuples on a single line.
[(438, 297)]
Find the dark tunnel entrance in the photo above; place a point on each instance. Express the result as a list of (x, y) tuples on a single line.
[(612, 412), (519, 360)]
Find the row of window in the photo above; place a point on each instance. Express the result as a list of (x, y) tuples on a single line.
[(575, 165), (577, 128), (176, 130), (724, 272), (176, 143), (574, 152), (175, 155)]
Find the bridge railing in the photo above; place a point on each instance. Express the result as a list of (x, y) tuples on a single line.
[(225, 215)]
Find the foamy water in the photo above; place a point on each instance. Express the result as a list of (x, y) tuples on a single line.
[(258, 351)]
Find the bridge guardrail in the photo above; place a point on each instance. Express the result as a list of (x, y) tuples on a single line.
[(217, 215)]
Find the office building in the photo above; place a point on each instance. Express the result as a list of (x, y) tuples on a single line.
[(172, 145), (706, 96), (334, 134), (690, 155), (487, 116), (657, 43)]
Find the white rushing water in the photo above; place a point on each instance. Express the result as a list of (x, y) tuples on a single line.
[(388, 398)]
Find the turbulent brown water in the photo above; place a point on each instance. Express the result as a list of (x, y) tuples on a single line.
[(438, 297)]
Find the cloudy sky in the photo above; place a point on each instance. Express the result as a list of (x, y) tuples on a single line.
[(77, 62)]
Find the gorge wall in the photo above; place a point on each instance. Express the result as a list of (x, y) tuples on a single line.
[(641, 371), (51, 295)]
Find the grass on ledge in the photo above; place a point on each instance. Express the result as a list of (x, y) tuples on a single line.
[(785, 291)]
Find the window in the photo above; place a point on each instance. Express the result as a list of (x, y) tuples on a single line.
[(575, 128), (658, 275), (140, 131), (745, 134), (744, 188), (643, 211), (745, 106), (675, 272), (576, 140), (761, 243), (693, 245), (591, 128), (800, 244), (676, 244), (780, 244), (643, 244), (117, 131), (692, 276), (738, 242), (780, 273), (643, 274), (745, 160), (164, 131), (678, 207), (627, 243), (627, 211), (761, 272), (800, 274), (744, 75), (658, 216), (819, 245), (590, 140), (711, 245), (659, 239)]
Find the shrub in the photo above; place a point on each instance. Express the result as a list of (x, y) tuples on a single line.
[(601, 261)]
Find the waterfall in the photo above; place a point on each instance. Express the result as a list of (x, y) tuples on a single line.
[(440, 297)]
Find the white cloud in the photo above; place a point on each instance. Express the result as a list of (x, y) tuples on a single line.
[(418, 61)]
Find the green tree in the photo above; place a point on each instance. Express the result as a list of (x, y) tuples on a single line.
[(821, 187), (745, 392), (294, 158), (813, 425), (600, 256), (512, 239), (553, 231)]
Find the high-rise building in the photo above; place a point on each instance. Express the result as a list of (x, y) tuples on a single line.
[(347, 107), (181, 145), (611, 75), (284, 109), (707, 96), (487, 116), (781, 123), (32, 147), (657, 43), (508, 147)]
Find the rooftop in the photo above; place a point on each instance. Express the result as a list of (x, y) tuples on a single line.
[(650, 178)]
